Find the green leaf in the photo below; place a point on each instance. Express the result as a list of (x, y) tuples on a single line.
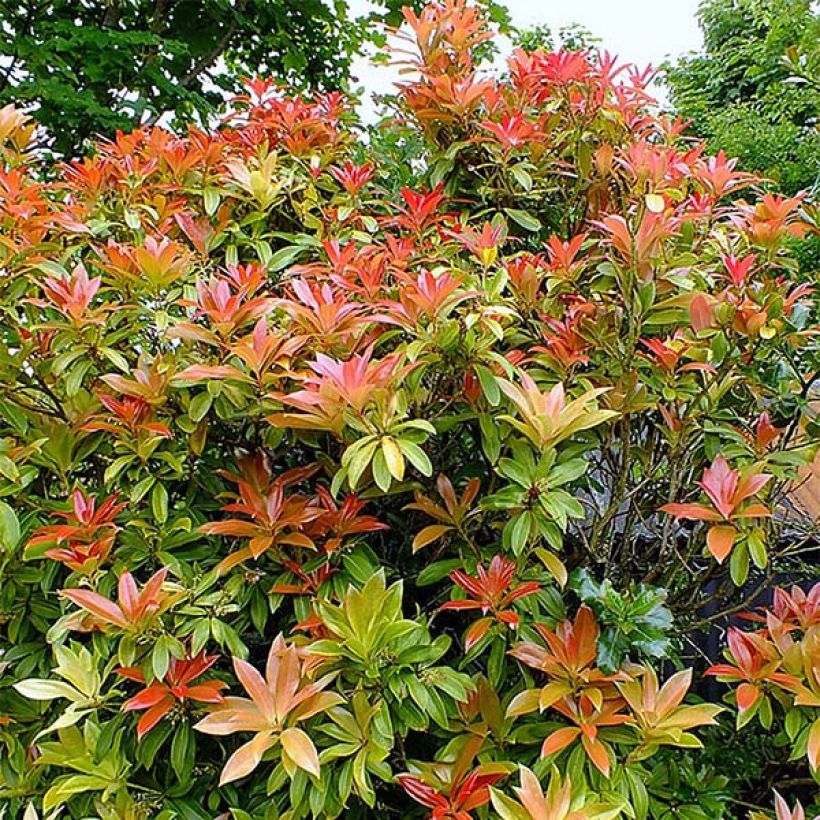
[(416, 456), (199, 406), (38, 689), (521, 176), (436, 571), (381, 475), (53, 268), (757, 548), (739, 564), (160, 658), (567, 471), (612, 650), (116, 467), (183, 751), (284, 257), (211, 199), (116, 358), (506, 807), (554, 565), (9, 528), (517, 531), (357, 458), (638, 793), (490, 441), (524, 218), (159, 503), (489, 385)]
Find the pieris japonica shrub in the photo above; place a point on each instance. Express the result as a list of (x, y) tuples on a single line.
[(327, 496)]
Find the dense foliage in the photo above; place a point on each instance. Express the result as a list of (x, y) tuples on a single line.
[(749, 91), (325, 495)]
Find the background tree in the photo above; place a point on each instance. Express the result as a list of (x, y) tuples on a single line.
[(573, 37), (91, 68), (742, 94)]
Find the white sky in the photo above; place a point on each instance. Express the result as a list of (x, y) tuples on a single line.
[(638, 31)]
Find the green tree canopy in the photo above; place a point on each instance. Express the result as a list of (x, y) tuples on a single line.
[(741, 93), (90, 67)]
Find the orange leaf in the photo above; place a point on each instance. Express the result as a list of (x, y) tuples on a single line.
[(246, 758), (694, 512), (104, 609), (720, 540), (256, 686), (673, 691), (476, 632), (596, 751), (200, 372), (754, 510), (813, 747), (747, 695), (428, 535), (300, 749), (700, 313), (559, 739)]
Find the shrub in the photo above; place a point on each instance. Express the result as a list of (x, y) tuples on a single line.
[(329, 497)]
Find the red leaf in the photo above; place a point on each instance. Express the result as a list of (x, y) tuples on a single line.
[(149, 697), (153, 716), (421, 792)]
